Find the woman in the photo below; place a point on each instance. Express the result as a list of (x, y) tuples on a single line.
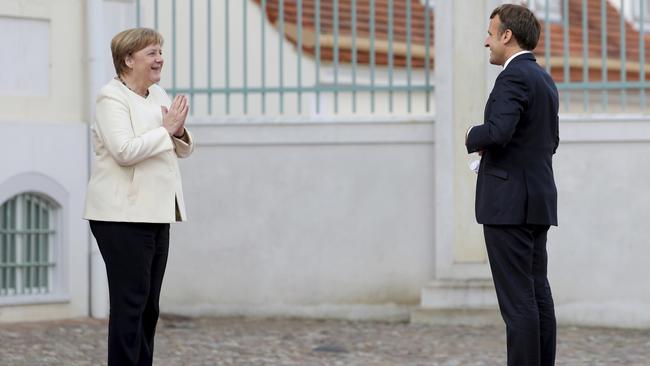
[(135, 189)]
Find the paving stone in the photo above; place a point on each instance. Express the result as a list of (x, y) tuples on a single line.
[(295, 342)]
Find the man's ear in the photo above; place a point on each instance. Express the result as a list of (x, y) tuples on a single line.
[(507, 36)]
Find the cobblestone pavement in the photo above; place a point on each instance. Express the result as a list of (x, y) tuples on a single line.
[(290, 342)]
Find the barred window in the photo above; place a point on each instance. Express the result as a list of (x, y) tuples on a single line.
[(27, 245)]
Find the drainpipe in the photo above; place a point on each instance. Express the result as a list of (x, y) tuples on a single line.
[(98, 291)]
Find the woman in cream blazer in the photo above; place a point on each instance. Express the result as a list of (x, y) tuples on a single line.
[(135, 189), (135, 177)]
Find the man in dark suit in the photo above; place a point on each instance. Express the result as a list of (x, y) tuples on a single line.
[(516, 197)]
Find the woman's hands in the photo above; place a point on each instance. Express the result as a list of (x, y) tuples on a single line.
[(174, 117)]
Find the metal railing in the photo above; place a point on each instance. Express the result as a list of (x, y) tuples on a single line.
[(26, 246), (282, 57), (297, 56), (598, 54)]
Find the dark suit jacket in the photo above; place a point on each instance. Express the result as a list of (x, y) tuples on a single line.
[(519, 136)]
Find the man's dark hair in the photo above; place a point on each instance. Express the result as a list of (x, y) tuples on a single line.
[(521, 21)]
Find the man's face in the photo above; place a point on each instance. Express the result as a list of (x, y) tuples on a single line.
[(496, 42)]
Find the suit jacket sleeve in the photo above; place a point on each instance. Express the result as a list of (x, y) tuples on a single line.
[(183, 148), (507, 101), (557, 135), (115, 126)]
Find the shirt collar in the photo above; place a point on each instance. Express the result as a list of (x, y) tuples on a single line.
[(513, 56)]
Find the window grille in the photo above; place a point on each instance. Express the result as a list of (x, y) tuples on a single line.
[(27, 245)]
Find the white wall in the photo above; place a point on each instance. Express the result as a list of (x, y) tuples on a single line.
[(45, 146), (598, 256), (53, 154), (337, 220), (65, 99), (313, 219)]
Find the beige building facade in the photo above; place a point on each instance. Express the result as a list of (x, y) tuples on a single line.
[(318, 214)]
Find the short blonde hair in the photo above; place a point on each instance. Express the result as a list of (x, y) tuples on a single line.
[(130, 41)]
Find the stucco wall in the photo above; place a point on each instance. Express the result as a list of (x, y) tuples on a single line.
[(337, 220), (45, 146), (50, 158), (313, 219), (598, 255), (65, 99)]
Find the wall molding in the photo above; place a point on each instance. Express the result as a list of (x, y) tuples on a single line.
[(301, 133), (604, 128)]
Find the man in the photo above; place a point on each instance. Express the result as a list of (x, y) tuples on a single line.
[(516, 197)]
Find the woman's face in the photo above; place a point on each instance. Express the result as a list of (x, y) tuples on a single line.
[(146, 64)]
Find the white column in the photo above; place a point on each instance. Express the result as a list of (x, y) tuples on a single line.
[(94, 27), (121, 16), (462, 279)]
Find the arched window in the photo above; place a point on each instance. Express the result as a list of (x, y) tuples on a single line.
[(27, 245)]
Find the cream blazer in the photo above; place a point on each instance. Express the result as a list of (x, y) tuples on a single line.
[(135, 175)]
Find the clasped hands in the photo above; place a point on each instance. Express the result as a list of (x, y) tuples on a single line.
[(174, 117)]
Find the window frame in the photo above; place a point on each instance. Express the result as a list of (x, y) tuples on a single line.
[(26, 242), (57, 197)]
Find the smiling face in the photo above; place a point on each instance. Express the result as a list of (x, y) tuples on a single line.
[(146, 65), (496, 42)]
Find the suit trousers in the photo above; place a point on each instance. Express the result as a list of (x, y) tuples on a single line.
[(518, 261), (135, 255)]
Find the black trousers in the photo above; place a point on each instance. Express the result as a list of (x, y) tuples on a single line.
[(135, 255), (518, 261)]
